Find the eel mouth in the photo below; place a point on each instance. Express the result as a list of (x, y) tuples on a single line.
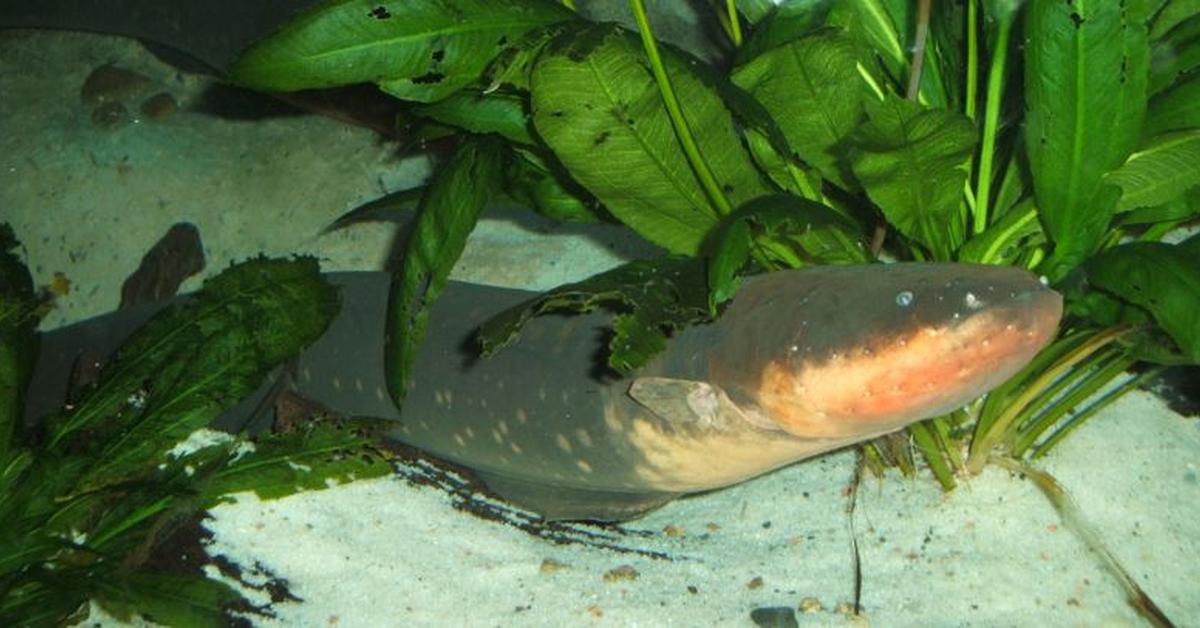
[(884, 383)]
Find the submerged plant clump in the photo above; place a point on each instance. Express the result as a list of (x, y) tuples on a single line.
[(88, 493), (1048, 135)]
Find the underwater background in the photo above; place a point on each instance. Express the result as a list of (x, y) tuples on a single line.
[(90, 186)]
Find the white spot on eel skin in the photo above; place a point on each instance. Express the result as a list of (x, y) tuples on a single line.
[(562, 442)]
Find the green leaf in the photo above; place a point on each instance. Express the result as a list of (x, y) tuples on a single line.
[(1085, 86), (1164, 279), (502, 113), (413, 49), (812, 89), (911, 162), (1175, 55), (783, 24), (872, 23), (1171, 14), (1016, 234), (447, 214), (1165, 168), (18, 344), (314, 457), (812, 232), (1175, 109), (188, 364), (545, 188), (1182, 207), (596, 105), (654, 296), (164, 598)]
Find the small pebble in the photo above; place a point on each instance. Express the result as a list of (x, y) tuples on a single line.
[(774, 617), (549, 565), (159, 106), (810, 605), (624, 572), (110, 84), (755, 583)]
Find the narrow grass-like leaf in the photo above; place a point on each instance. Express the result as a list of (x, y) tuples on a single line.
[(596, 104), (447, 213), (1162, 278), (812, 89), (1166, 167), (414, 49), (1085, 88), (911, 161), (1016, 234), (655, 297)]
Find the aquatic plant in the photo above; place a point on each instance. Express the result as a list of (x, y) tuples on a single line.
[(89, 493), (1059, 137)]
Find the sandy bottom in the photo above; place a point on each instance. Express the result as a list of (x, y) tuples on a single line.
[(88, 202)]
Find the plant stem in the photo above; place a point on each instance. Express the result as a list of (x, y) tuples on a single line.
[(971, 96), (991, 123), (1073, 519), (675, 113), (918, 58)]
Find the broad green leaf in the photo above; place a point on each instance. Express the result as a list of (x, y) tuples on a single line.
[(512, 67), (754, 11), (414, 49), (315, 457), (1182, 207), (1085, 87), (18, 345), (1165, 168), (871, 22), (188, 364), (595, 103), (447, 214), (545, 188), (654, 296), (1175, 109), (808, 231), (812, 89), (782, 24), (502, 113), (1175, 55), (1162, 278), (1171, 14), (911, 161), (165, 598)]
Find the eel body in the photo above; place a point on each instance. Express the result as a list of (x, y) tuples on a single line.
[(800, 363)]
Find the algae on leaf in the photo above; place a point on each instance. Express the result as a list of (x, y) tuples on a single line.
[(83, 508), (419, 50)]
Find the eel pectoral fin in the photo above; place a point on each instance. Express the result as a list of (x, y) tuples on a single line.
[(556, 503), (685, 402)]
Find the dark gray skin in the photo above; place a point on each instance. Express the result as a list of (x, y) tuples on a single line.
[(800, 363)]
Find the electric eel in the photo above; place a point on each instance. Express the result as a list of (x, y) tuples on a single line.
[(801, 362)]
